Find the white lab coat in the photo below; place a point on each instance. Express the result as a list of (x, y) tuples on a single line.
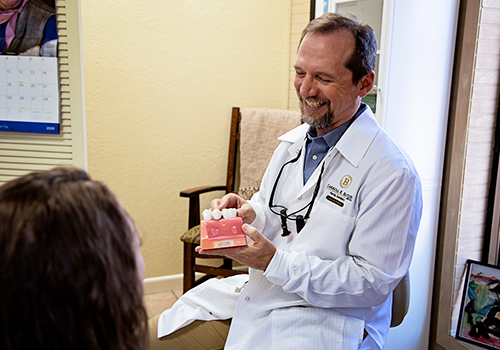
[(328, 284), (334, 279)]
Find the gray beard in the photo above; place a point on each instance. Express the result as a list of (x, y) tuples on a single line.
[(324, 122)]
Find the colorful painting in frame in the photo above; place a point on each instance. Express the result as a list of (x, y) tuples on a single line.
[(479, 320)]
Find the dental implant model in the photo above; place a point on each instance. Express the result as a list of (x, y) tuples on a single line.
[(221, 229)]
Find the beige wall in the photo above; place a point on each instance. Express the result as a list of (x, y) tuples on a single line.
[(300, 19), (160, 81)]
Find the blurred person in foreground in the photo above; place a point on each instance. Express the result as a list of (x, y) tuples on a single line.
[(70, 267)]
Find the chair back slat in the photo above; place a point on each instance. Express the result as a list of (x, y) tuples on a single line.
[(233, 150), (260, 129)]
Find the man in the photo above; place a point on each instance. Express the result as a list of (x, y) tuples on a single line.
[(334, 223)]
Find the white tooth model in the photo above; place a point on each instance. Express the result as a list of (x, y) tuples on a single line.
[(207, 214), (216, 233), (216, 214), (229, 213)]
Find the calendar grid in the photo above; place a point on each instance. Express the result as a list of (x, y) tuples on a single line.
[(29, 94)]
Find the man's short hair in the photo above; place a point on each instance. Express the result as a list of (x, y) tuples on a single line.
[(365, 52)]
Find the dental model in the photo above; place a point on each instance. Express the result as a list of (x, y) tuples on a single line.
[(221, 229)]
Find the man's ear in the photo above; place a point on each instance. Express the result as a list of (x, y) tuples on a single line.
[(365, 84)]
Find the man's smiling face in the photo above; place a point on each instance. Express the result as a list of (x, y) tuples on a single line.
[(327, 95)]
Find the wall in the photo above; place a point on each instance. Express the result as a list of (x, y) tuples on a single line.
[(481, 121), (160, 81), (300, 18), (420, 61)]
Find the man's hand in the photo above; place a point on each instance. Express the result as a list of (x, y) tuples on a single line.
[(256, 254), (232, 200)]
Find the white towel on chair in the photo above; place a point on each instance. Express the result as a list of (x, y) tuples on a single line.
[(214, 299)]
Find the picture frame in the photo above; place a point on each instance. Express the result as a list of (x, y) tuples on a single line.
[(479, 318)]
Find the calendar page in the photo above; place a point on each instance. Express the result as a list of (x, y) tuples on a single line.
[(29, 94)]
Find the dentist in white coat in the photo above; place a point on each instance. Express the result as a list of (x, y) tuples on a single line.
[(335, 220)]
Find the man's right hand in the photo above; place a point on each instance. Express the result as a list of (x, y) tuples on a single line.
[(232, 200)]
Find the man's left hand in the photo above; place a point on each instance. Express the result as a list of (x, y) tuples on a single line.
[(256, 254)]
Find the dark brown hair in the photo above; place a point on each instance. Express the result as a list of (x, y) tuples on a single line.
[(68, 276), (365, 52)]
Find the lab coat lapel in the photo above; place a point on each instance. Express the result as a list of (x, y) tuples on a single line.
[(311, 183), (355, 142), (298, 142), (297, 139), (352, 145), (298, 167)]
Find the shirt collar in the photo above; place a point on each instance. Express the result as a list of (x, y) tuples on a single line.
[(358, 138), (360, 134), (334, 136)]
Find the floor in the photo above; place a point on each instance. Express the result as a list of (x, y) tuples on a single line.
[(156, 303)]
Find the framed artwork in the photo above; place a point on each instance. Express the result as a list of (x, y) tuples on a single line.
[(479, 319)]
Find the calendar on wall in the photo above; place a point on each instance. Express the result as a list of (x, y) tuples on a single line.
[(29, 94)]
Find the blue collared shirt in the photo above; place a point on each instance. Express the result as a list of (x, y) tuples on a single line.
[(317, 147)]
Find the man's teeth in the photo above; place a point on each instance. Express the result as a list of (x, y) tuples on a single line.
[(314, 104)]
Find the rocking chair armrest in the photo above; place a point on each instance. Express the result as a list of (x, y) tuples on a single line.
[(194, 202), (196, 191)]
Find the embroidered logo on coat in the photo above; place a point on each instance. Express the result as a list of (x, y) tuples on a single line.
[(346, 181)]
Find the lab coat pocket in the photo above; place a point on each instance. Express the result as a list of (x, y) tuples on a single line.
[(315, 328), (327, 232)]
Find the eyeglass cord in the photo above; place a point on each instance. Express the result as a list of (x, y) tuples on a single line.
[(299, 219)]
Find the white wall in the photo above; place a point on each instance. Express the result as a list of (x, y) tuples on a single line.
[(421, 48)]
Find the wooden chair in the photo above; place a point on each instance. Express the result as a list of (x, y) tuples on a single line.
[(400, 301), (272, 123)]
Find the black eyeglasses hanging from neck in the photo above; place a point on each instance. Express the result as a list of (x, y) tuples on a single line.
[(300, 220)]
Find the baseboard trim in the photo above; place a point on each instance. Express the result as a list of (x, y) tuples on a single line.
[(162, 284)]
